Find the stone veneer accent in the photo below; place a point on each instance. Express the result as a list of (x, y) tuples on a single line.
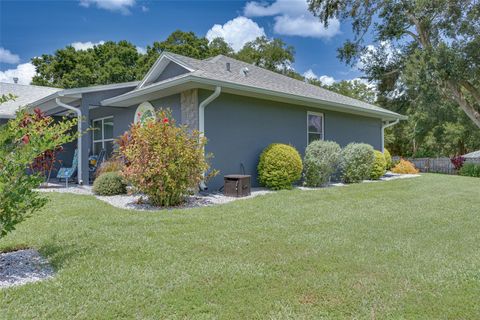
[(189, 108)]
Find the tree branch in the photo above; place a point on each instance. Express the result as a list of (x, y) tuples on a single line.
[(470, 88), (458, 97)]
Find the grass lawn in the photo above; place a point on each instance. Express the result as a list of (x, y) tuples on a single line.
[(400, 249)]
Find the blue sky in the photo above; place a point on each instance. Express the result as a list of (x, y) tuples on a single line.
[(32, 28)]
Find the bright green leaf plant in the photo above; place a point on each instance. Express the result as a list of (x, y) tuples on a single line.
[(22, 140)]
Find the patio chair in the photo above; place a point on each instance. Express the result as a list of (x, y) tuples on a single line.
[(100, 159), (68, 173)]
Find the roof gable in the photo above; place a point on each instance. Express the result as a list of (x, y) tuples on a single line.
[(166, 66), (246, 78)]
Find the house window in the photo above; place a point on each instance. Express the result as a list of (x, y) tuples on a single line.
[(314, 126), (103, 135)]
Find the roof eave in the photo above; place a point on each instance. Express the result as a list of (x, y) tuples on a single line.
[(120, 100), (163, 55), (77, 92)]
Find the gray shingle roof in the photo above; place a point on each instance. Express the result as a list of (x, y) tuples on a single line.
[(25, 94), (472, 155), (215, 69)]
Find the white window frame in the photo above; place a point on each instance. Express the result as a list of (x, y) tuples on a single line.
[(102, 140), (320, 114)]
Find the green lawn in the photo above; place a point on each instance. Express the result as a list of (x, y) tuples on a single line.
[(400, 249)]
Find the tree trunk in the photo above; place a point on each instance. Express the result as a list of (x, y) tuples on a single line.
[(467, 107)]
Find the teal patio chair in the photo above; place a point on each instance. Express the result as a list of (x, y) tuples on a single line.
[(68, 173)]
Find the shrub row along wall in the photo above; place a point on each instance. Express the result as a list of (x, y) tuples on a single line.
[(435, 165)]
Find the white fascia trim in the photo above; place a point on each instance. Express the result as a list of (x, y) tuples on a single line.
[(157, 64), (387, 115), (77, 92), (148, 89), (225, 84)]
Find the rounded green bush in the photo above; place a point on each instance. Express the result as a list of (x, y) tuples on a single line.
[(109, 184), (388, 159), (379, 166), (357, 162), (280, 165), (322, 159), (470, 170)]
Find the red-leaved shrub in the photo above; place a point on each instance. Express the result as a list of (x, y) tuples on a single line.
[(163, 160), (458, 162)]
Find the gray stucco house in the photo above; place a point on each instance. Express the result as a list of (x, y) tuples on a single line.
[(240, 108)]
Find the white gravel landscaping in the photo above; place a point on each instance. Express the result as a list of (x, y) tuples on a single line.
[(387, 177), (139, 202), (23, 266)]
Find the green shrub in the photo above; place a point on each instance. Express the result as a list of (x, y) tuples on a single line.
[(379, 166), (109, 184), (280, 165), (164, 161), (357, 162), (322, 159), (470, 170), (22, 140), (113, 165), (388, 159)]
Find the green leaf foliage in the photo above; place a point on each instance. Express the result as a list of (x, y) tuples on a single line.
[(22, 140), (470, 170), (109, 184), (164, 161), (322, 158), (388, 159), (424, 61), (279, 167), (357, 162), (379, 166)]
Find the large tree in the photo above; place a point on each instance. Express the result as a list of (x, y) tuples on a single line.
[(430, 47), (114, 62), (111, 62), (273, 55), (351, 88)]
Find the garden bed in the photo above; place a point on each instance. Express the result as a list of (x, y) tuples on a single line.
[(140, 202), (23, 266)]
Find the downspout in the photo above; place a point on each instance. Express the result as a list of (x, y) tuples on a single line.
[(384, 126), (79, 143), (201, 121)]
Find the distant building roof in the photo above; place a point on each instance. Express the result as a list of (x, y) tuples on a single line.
[(24, 94), (472, 155)]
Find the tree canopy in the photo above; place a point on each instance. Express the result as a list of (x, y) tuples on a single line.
[(114, 62), (428, 47), (111, 62)]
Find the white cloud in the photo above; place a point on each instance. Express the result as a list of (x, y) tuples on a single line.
[(326, 80), (236, 32), (141, 50), (122, 6), (309, 74), (305, 26), (24, 72), (85, 45), (7, 57), (371, 51), (293, 18)]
